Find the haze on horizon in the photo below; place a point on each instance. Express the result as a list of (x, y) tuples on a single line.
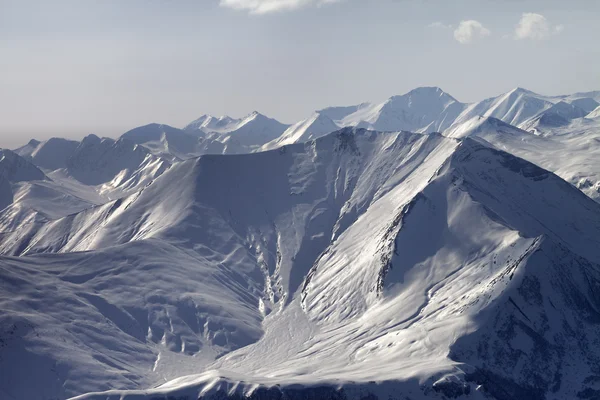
[(70, 68)]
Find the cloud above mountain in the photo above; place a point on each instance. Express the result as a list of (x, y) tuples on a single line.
[(535, 27), (470, 31), (270, 6)]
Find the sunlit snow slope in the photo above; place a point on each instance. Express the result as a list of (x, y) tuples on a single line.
[(359, 265)]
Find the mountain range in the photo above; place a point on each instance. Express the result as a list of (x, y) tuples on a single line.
[(418, 248)]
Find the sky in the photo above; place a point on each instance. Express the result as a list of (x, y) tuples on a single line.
[(69, 68)]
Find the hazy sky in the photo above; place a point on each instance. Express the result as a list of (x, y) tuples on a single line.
[(73, 67)]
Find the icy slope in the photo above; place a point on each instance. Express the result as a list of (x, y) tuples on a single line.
[(473, 246)]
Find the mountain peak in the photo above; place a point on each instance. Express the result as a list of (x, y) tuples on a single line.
[(522, 91), (429, 90), (91, 139)]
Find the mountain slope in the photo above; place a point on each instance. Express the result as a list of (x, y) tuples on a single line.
[(237, 136), (426, 109), (560, 114), (569, 150), (429, 109), (164, 140), (485, 246), (513, 107), (208, 124), (14, 169), (51, 154), (312, 128), (358, 264)]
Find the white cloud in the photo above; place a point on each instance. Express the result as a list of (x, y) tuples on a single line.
[(470, 31), (439, 25), (269, 6), (535, 27)]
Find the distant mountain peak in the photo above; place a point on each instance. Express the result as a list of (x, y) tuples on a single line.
[(91, 139)]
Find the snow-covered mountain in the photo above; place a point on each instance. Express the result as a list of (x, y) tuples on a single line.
[(430, 109), (15, 169), (422, 110), (358, 265), (426, 109), (568, 149), (238, 135), (560, 114), (58, 177), (245, 258), (311, 128), (51, 154), (513, 107), (208, 135), (209, 124), (164, 140)]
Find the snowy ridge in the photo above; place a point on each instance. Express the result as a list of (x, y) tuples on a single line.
[(14, 169), (361, 263), (311, 261), (567, 150), (312, 128), (164, 140), (209, 124), (78, 176), (51, 154), (485, 265), (238, 136), (422, 110), (560, 114), (427, 109)]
